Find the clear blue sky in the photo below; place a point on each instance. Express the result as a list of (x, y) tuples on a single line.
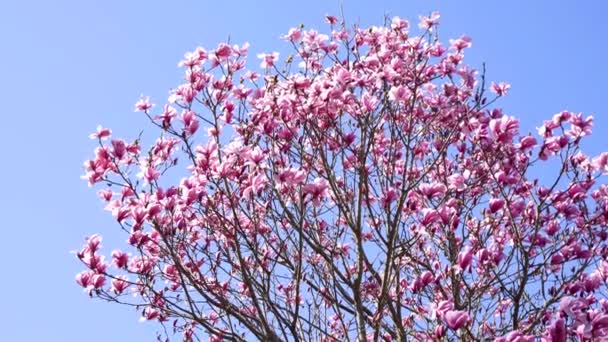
[(67, 66)]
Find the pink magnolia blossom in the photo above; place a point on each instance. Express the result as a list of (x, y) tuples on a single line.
[(120, 259), (580, 127), (465, 258), (457, 182), (500, 89), (496, 204), (439, 309), (255, 185), (223, 51), (399, 94), (293, 35), (167, 116), (429, 216), (330, 19), (527, 142), (191, 122), (119, 148), (515, 336), (422, 281), (456, 319), (429, 22), (84, 278), (119, 285), (149, 173), (291, 177), (97, 281), (389, 197), (460, 43), (105, 194), (601, 163), (557, 331), (433, 190), (268, 59), (317, 190), (143, 104), (102, 133), (399, 24), (504, 128)]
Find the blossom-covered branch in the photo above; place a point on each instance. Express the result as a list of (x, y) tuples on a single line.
[(364, 188)]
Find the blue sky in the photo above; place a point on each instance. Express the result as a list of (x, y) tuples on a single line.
[(67, 66)]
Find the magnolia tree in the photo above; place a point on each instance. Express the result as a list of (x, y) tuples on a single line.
[(364, 189)]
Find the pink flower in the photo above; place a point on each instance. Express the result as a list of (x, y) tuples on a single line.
[(460, 43), (389, 197), (572, 306), (439, 309), (515, 336), (291, 177), (167, 116), (190, 122), (317, 190), (422, 281), (342, 249), (93, 243), (293, 35), (500, 89), (580, 127), (121, 213), (399, 24), (527, 143), (94, 261), (561, 117), (457, 182), (223, 51), (427, 23), (153, 210), (119, 148), (330, 19), (149, 314), (496, 204), (557, 331), (592, 282), (557, 259), (143, 104), (241, 50), (343, 76), (84, 278), (105, 194), (456, 319), (194, 58), (429, 216), (255, 185), (149, 173), (504, 129), (399, 94), (119, 285), (600, 322), (433, 190), (439, 331), (600, 163), (98, 280), (268, 59), (120, 259), (102, 133), (369, 102), (465, 258), (552, 146)]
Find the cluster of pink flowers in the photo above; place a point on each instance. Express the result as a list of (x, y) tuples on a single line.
[(371, 192)]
